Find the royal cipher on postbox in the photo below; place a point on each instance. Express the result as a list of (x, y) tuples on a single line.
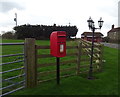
[(58, 43)]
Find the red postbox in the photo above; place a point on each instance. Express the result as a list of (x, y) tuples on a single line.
[(58, 43)]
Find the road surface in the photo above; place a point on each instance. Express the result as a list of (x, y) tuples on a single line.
[(112, 45)]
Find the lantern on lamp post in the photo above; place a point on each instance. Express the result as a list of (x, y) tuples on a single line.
[(15, 19), (92, 28)]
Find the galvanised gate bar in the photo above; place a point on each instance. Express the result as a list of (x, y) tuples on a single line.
[(12, 83)]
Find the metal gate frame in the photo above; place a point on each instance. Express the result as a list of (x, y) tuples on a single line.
[(8, 79)]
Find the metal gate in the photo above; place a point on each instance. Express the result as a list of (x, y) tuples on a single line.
[(12, 73)]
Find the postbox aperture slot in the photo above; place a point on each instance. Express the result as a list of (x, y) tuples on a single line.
[(61, 36)]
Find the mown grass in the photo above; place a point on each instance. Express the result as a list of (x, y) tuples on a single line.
[(106, 82)]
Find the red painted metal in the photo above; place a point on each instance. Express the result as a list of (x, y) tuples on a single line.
[(58, 43)]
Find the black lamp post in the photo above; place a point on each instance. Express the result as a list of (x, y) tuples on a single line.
[(15, 19), (92, 28)]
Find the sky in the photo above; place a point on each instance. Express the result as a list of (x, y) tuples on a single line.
[(119, 14), (59, 12)]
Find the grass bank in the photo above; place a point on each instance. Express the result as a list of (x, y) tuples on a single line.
[(106, 82)]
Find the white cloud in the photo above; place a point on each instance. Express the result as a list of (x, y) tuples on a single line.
[(62, 12)]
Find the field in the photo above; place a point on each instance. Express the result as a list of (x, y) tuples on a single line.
[(106, 82)]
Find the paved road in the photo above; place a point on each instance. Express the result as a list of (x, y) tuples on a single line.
[(112, 45)]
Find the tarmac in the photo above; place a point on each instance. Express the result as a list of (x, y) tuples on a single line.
[(111, 45)]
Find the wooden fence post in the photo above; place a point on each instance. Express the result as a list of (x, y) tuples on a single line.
[(79, 57), (30, 64)]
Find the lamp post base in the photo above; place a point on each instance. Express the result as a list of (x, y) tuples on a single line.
[(91, 78)]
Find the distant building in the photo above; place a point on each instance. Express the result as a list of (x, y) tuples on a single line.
[(119, 14), (88, 36), (114, 35)]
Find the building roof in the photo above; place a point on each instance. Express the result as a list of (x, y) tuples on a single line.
[(114, 29), (97, 34)]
